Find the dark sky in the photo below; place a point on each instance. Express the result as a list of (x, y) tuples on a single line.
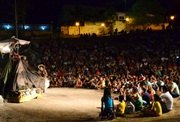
[(38, 11), (45, 11)]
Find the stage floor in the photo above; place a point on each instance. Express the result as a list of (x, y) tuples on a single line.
[(57, 104), (71, 104)]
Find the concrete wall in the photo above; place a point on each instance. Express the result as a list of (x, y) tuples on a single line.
[(119, 25), (90, 28), (98, 29)]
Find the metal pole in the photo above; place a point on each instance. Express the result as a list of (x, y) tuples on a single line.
[(52, 30), (16, 19), (125, 5)]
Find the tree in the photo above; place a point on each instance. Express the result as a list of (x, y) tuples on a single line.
[(87, 13), (146, 12)]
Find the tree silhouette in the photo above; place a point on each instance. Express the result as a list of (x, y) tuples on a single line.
[(147, 12), (87, 13)]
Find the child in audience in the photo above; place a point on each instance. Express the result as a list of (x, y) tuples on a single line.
[(156, 109), (121, 106)]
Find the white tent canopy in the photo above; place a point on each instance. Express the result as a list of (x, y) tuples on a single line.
[(7, 45)]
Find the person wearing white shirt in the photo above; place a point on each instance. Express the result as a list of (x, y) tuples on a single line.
[(167, 99), (173, 88)]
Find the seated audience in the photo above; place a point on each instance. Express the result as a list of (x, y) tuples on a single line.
[(167, 100), (79, 83), (107, 105), (173, 88), (156, 109), (137, 98), (145, 96), (130, 108), (120, 110)]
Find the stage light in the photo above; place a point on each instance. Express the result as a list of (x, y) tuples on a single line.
[(7, 26), (43, 27), (26, 27), (172, 17), (102, 24), (127, 19), (77, 23)]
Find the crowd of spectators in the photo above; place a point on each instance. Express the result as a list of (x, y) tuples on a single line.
[(121, 59), (137, 65)]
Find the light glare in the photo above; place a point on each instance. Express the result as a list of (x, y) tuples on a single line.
[(102, 24), (43, 27), (7, 27), (172, 17), (26, 27), (77, 24), (127, 19)]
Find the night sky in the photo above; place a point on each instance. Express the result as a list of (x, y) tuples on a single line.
[(45, 11)]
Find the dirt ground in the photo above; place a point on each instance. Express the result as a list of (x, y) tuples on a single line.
[(69, 104)]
